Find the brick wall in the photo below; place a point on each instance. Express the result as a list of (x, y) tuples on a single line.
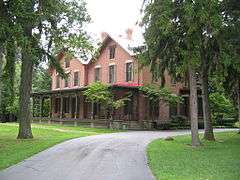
[(75, 65)]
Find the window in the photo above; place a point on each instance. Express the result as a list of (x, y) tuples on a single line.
[(112, 74), (67, 63), (66, 104), (112, 52), (57, 105), (57, 81), (129, 71), (66, 81), (76, 78), (97, 74)]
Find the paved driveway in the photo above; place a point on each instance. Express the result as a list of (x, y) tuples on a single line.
[(117, 156)]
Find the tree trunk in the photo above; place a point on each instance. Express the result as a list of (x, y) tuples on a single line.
[(238, 102), (193, 107), (208, 129), (1, 73), (25, 131)]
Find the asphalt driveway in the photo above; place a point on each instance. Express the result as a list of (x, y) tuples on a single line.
[(117, 156)]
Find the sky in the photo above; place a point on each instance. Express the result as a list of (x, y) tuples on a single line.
[(112, 16)]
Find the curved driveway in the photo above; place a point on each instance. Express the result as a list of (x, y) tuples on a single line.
[(117, 156)]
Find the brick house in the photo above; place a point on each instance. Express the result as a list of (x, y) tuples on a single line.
[(117, 66)]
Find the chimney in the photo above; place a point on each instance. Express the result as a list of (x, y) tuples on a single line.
[(103, 36), (129, 33)]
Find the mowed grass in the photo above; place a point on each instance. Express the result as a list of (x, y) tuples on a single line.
[(13, 150), (178, 160)]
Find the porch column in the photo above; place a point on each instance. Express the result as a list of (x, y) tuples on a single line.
[(92, 110), (142, 109), (81, 107), (76, 104), (70, 106), (61, 107)]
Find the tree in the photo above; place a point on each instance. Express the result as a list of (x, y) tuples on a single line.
[(155, 93), (173, 44), (41, 29), (41, 80), (221, 106), (230, 54), (101, 94)]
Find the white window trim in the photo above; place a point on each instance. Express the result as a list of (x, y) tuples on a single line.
[(128, 61), (112, 64), (97, 66)]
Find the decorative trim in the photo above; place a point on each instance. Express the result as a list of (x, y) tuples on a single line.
[(129, 61), (97, 66), (112, 64)]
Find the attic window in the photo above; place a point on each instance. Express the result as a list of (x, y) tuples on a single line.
[(67, 63), (112, 52)]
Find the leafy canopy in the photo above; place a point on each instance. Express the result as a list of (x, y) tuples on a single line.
[(155, 94), (98, 92)]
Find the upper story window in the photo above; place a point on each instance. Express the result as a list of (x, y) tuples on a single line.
[(112, 73), (112, 50), (57, 81), (66, 81), (76, 78), (97, 74), (67, 63), (129, 71)]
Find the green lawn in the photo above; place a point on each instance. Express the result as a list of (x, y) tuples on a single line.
[(13, 150), (214, 160)]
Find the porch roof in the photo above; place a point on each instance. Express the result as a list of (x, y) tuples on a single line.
[(75, 90)]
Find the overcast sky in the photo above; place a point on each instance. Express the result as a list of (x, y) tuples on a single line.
[(113, 16)]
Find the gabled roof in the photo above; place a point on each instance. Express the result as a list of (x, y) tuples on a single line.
[(127, 44)]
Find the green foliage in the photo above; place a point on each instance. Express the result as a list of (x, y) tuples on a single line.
[(41, 80), (10, 101), (100, 93), (155, 94), (237, 124), (220, 105)]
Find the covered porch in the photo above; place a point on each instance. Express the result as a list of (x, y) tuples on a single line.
[(69, 106)]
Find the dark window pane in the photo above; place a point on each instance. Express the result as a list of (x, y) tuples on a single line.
[(112, 74), (129, 72), (76, 78), (66, 104), (66, 81), (112, 52), (97, 74)]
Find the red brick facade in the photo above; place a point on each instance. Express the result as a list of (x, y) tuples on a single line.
[(140, 107)]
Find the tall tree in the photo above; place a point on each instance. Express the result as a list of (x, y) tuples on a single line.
[(173, 45), (41, 29), (230, 55)]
